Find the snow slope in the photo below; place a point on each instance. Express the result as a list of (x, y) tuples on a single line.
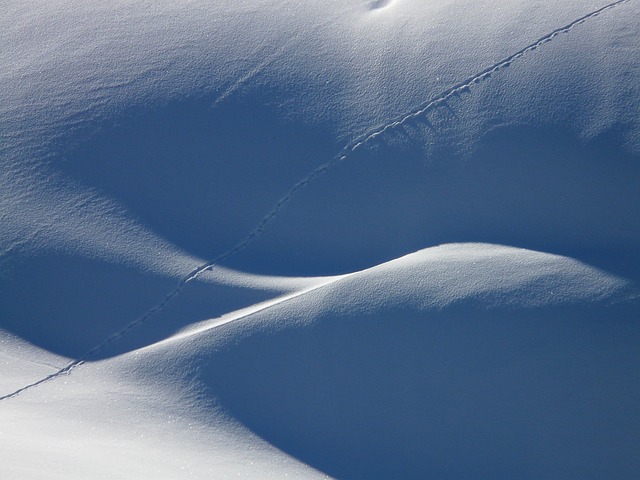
[(361, 239)]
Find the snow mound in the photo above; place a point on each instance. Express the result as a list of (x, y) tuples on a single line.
[(356, 238), (496, 355)]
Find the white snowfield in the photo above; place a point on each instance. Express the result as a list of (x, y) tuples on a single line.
[(359, 239)]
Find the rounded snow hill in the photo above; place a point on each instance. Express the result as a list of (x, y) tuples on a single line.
[(364, 239), (454, 361)]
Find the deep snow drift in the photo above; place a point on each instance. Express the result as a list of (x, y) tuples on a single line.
[(357, 239)]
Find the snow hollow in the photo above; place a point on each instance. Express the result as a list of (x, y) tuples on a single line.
[(348, 239)]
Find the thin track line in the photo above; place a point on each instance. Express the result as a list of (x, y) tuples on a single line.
[(434, 102)]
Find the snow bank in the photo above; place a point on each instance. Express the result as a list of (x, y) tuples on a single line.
[(449, 362), (208, 212)]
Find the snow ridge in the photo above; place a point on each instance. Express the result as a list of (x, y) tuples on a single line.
[(434, 102)]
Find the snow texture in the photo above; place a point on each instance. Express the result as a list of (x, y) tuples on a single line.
[(349, 239)]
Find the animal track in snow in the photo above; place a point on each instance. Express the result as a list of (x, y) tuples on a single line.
[(420, 111)]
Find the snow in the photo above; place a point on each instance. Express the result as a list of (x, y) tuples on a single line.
[(356, 239)]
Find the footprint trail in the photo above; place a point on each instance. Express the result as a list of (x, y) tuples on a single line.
[(437, 101)]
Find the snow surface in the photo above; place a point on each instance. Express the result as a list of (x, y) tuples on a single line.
[(351, 238)]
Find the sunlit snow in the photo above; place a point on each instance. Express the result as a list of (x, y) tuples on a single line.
[(352, 239)]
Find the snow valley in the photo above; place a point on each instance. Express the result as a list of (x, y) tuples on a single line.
[(347, 239)]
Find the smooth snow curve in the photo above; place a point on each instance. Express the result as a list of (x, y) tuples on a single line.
[(455, 293), (437, 101)]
